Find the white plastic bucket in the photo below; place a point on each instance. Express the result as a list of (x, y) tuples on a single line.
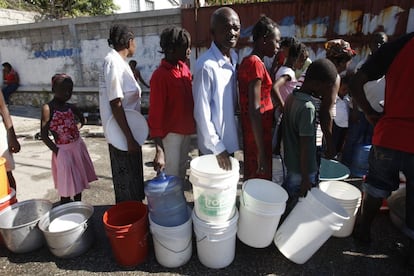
[(216, 243), (309, 225), (349, 197), (173, 244), (262, 203), (214, 189)]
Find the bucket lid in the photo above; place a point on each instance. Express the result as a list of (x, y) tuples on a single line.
[(207, 164), (265, 191), (333, 170)]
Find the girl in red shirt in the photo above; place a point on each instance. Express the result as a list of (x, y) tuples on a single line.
[(256, 108)]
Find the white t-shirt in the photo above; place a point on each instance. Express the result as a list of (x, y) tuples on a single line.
[(288, 87), (342, 111), (375, 92), (116, 80)]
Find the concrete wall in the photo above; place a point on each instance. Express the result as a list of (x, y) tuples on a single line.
[(77, 47), (11, 17)]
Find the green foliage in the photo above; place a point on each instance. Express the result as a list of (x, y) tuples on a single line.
[(55, 9), (228, 2)]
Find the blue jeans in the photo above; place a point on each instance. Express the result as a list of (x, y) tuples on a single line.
[(294, 180), (359, 132), (383, 176)]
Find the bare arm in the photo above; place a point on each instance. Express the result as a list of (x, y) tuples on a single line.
[(80, 116), (159, 159), (13, 144), (325, 116), (44, 129), (276, 89), (141, 79), (256, 123)]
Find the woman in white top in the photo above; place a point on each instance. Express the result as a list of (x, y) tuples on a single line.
[(119, 91)]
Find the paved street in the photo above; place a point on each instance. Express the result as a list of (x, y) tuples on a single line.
[(338, 256)]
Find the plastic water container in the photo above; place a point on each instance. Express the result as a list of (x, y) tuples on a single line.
[(309, 225), (262, 203), (359, 165), (166, 202), (216, 242), (214, 189)]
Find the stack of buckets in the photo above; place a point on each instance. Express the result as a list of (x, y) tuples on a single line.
[(215, 214), (309, 225), (349, 197), (170, 220), (7, 194), (262, 203)]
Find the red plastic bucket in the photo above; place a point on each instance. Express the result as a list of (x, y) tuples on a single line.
[(5, 202), (126, 225)]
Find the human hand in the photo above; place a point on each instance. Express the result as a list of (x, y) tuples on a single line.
[(224, 161), (14, 146), (159, 161)]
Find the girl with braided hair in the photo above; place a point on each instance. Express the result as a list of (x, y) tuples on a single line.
[(72, 168), (171, 120)]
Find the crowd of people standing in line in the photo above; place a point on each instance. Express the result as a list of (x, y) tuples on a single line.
[(281, 109)]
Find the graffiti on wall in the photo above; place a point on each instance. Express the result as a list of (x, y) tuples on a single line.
[(348, 23), (51, 53)]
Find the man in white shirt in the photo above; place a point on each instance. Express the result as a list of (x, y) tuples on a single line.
[(215, 89)]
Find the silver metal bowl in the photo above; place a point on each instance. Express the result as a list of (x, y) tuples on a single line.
[(74, 238), (19, 225)]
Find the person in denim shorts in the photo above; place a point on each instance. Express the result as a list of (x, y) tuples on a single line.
[(392, 145), (299, 132)]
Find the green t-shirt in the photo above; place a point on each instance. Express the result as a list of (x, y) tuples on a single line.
[(299, 120)]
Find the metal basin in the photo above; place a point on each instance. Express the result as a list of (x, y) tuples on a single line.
[(18, 225), (68, 229)]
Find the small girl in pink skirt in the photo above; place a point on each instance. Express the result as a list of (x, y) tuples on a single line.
[(72, 167)]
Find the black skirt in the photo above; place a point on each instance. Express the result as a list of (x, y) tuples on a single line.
[(127, 174)]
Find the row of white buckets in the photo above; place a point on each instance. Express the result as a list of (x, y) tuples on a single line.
[(216, 221)]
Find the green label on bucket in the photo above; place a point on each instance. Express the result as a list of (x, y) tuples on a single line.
[(215, 205)]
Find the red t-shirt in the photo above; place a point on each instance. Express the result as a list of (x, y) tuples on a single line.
[(251, 68), (395, 130), (171, 100), (11, 77)]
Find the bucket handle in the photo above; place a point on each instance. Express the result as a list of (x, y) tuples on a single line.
[(180, 251)]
